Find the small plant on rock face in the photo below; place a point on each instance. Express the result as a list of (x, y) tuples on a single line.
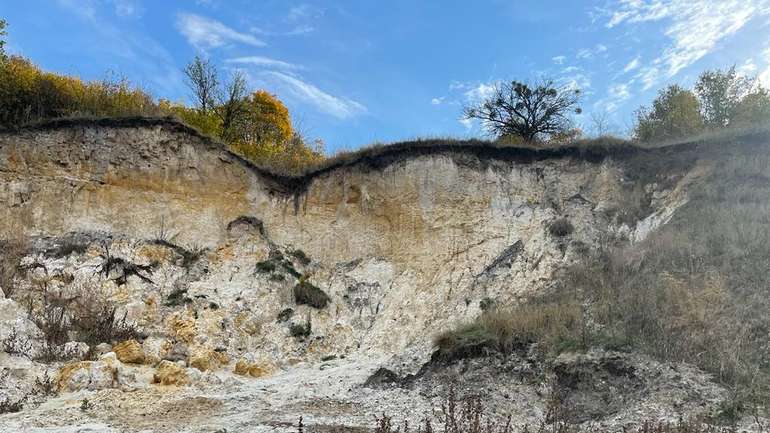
[(300, 330), (11, 253), (266, 266), (307, 293), (15, 344), (178, 297), (561, 227), (301, 257)]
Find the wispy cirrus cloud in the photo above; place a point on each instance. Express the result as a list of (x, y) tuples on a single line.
[(339, 107), (694, 28), (140, 54), (126, 8), (587, 53), (265, 62), (203, 32), (617, 94), (559, 60), (633, 64)]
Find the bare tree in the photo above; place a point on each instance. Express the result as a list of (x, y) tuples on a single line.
[(600, 122), (203, 81), (232, 107), (530, 112)]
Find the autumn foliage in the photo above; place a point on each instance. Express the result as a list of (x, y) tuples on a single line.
[(257, 126)]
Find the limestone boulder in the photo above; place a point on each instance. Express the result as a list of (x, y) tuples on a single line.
[(107, 372), (170, 373), (129, 351), (254, 368), (205, 359)]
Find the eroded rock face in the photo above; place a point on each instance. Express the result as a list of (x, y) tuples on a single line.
[(416, 245), (205, 257)]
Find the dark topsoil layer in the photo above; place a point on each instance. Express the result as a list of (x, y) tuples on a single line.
[(645, 162)]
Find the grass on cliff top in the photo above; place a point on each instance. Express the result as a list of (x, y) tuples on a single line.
[(380, 155)]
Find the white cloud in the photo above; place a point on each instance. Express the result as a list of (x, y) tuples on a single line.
[(747, 68), (617, 93), (85, 9), (299, 30), (303, 12), (203, 32), (649, 76), (339, 107), (577, 81), (633, 64), (559, 60), (437, 101), (764, 76), (695, 27), (467, 123), (126, 8), (265, 62), (138, 53), (480, 92), (585, 53)]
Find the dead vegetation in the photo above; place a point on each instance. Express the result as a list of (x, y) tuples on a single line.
[(11, 253), (81, 317), (554, 326), (695, 291), (469, 414)]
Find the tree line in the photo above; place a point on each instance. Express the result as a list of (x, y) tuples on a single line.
[(541, 113), (255, 124)]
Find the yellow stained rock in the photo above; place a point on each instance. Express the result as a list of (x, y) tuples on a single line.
[(129, 351), (168, 373), (208, 359), (156, 253), (183, 328), (253, 369), (68, 370)]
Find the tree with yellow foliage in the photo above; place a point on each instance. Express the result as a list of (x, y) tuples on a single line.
[(263, 129), (257, 126)]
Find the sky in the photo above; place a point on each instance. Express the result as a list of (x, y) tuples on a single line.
[(361, 71)]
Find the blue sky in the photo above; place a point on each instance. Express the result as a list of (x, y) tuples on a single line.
[(358, 71)]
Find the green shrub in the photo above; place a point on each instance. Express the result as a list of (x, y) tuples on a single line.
[(266, 266)]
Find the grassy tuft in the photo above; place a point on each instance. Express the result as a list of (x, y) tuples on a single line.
[(308, 294), (554, 326)]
